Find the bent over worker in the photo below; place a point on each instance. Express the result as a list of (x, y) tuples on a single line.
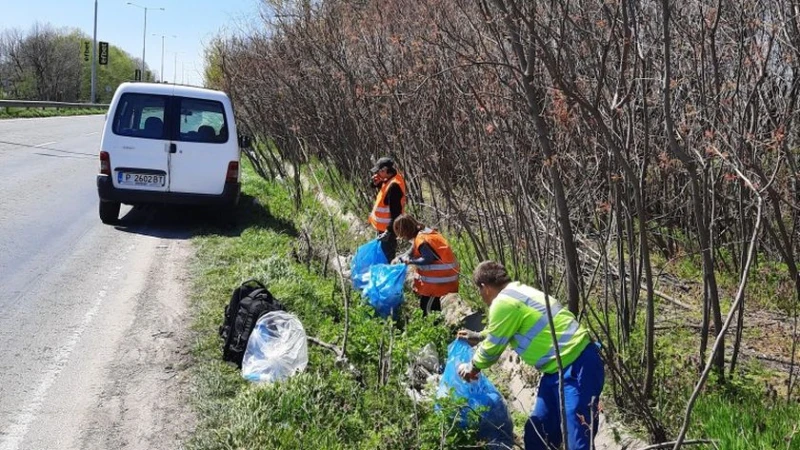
[(389, 203), (518, 317), (437, 267)]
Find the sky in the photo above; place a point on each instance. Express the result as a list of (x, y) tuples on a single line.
[(193, 22)]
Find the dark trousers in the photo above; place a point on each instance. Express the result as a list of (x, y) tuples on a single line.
[(428, 303), (583, 382), (389, 246)]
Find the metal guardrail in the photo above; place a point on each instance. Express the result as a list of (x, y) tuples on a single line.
[(42, 104)]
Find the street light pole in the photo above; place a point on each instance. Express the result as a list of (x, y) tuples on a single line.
[(144, 44), (94, 56), (144, 33), (175, 78), (162, 52)]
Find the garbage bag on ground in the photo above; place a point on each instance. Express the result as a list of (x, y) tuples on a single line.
[(424, 363), (276, 349), (495, 426), (366, 256), (384, 290)]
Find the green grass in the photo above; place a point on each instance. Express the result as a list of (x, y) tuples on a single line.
[(18, 113), (740, 417), (742, 414), (327, 406)]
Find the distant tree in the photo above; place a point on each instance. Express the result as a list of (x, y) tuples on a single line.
[(48, 64), (213, 76)]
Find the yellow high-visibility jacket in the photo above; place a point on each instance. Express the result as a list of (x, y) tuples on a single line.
[(518, 317)]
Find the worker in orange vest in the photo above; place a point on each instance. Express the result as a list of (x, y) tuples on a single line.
[(437, 267), (389, 203)]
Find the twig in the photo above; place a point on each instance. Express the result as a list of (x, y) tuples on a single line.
[(332, 231), (790, 383), (734, 308), (670, 299), (689, 442), (336, 350)]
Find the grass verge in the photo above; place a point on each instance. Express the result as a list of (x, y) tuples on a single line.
[(19, 113), (328, 406)]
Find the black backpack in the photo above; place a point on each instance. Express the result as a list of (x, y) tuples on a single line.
[(248, 303)]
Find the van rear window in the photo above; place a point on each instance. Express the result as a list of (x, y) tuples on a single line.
[(141, 115), (202, 121)]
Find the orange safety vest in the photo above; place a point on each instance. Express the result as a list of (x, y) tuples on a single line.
[(440, 277), (381, 215)]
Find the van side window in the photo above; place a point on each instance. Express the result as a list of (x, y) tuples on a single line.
[(140, 115), (202, 121)]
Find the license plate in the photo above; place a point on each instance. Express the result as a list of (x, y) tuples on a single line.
[(140, 179)]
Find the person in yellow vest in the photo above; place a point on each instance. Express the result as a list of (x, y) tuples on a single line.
[(389, 203), (437, 267), (518, 317)]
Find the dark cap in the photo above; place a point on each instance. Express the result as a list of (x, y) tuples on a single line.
[(383, 162)]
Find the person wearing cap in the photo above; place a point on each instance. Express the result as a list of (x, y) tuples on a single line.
[(518, 317), (437, 267), (389, 203)]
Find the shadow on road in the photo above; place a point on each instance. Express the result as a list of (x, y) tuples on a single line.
[(185, 222)]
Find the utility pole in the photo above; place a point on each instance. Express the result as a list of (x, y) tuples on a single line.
[(94, 57)]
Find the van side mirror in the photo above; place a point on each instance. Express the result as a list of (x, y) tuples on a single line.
[(245, 141)]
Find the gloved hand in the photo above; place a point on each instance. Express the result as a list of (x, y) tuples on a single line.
[(472, 337), (402, 259), (383, 237), (467, 372)]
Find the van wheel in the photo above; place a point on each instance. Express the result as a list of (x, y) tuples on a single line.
[(109, 212)]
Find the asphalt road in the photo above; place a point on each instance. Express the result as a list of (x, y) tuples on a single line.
[(93, 340)]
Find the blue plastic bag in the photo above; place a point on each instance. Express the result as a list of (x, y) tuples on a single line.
[(366, 256), (495, 425), (384, 291)]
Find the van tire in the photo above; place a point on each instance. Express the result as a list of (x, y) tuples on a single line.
[(109, 212)]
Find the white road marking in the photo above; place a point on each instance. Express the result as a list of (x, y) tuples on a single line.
[(46, 143), (19, 427), (90, 134)]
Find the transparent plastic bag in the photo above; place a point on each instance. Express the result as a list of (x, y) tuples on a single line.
[(495, 426), (366, 256), (424, 364), (384, 291), (277, 348)]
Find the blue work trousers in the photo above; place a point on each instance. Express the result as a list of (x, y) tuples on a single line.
[(583, 382)]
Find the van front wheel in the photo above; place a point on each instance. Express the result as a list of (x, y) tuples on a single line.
[(109, 212)]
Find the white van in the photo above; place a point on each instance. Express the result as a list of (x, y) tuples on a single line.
[(168, 144)]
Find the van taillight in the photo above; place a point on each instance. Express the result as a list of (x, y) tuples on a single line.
[(233, 172), (105, 163)]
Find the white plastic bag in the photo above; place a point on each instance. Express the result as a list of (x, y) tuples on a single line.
[(277, 348)]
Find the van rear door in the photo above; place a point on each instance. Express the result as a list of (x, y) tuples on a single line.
[(138, 144), (203, 146)]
